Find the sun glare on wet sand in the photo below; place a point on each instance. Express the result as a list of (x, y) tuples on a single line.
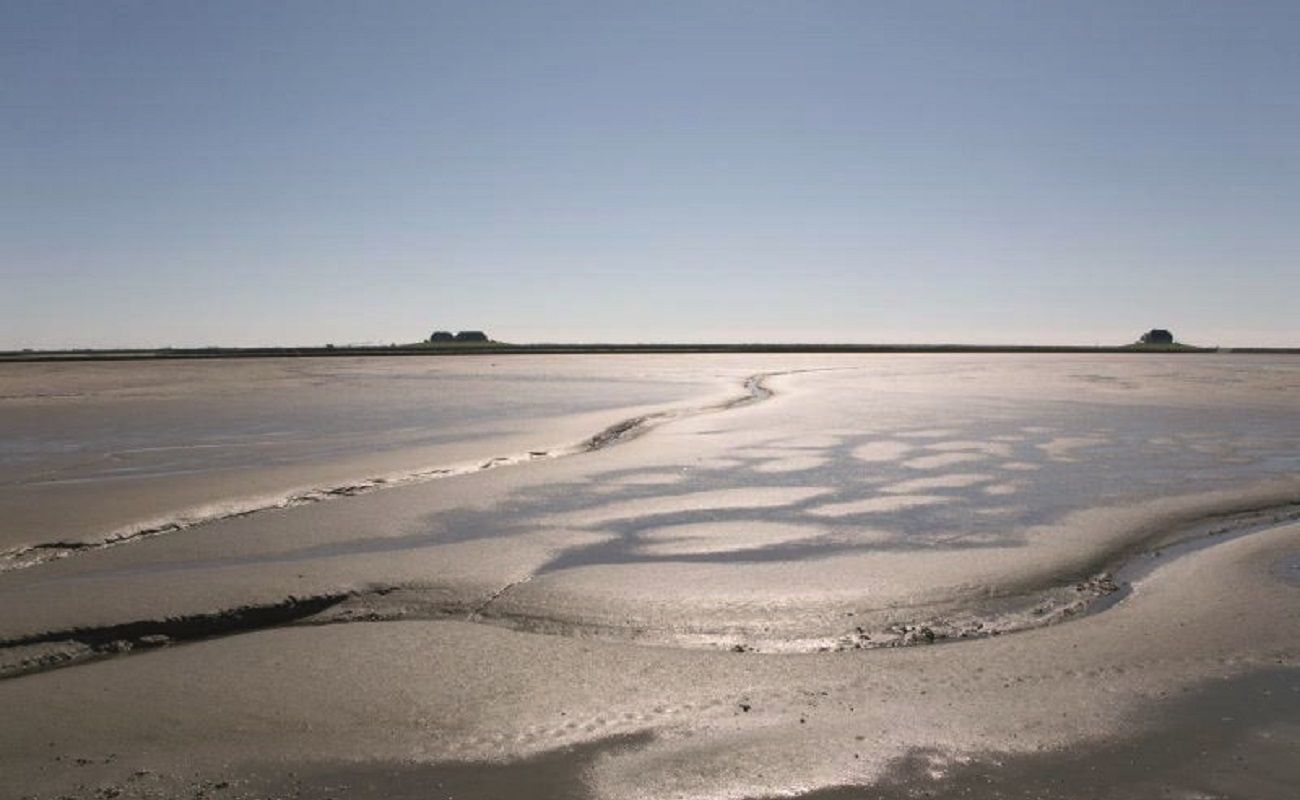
[(772, 575), (649, 401)]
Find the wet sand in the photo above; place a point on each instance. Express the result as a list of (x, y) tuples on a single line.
[(94, 450), (893, 575), (1230, 738)]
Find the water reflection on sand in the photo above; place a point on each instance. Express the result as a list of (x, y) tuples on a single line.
[(776, 557)]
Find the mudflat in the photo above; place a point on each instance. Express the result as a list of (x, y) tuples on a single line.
[(646, 576)]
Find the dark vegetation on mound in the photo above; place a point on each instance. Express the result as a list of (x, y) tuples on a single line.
[(444, 343)]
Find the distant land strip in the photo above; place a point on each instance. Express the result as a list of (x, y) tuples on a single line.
[(505, 349)]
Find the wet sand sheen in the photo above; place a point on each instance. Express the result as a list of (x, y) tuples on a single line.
[(1246, 726), (99, 451), (522, 598), (779, 723)]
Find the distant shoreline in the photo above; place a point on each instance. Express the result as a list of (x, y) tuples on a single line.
[(495, 348)]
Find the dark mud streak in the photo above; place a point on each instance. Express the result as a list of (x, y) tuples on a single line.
[(1095, 582), (1205, 528), (1096, 595), (1098, 586), (1210, 531), (197, 626), (37, 554), (109, 640), (93, 643), (756, 391), (1107, 580)]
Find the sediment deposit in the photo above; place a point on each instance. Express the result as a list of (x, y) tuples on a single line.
[(727, 576)]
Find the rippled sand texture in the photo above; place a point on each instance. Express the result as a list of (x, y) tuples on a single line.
[(782, 574)]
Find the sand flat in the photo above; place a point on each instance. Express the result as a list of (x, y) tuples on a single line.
[(703, 626)]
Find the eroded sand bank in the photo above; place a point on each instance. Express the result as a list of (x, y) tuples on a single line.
[(726, 596)]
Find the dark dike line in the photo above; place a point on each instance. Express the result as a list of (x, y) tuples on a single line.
[(34, 555)]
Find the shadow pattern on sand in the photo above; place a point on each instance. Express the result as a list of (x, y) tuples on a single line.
[(1043, 470)]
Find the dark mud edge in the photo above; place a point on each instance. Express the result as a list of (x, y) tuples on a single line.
[(52, 649), (37, 554), (922, 625)]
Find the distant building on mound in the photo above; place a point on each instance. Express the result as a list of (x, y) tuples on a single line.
[(1157, 336), (444, 337)]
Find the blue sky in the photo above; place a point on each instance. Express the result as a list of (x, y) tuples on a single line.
[(183, 173)]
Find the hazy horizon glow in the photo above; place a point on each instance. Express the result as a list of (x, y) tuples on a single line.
[(235, 173)]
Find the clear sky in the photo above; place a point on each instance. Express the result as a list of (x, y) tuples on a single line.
[(192, 173)]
